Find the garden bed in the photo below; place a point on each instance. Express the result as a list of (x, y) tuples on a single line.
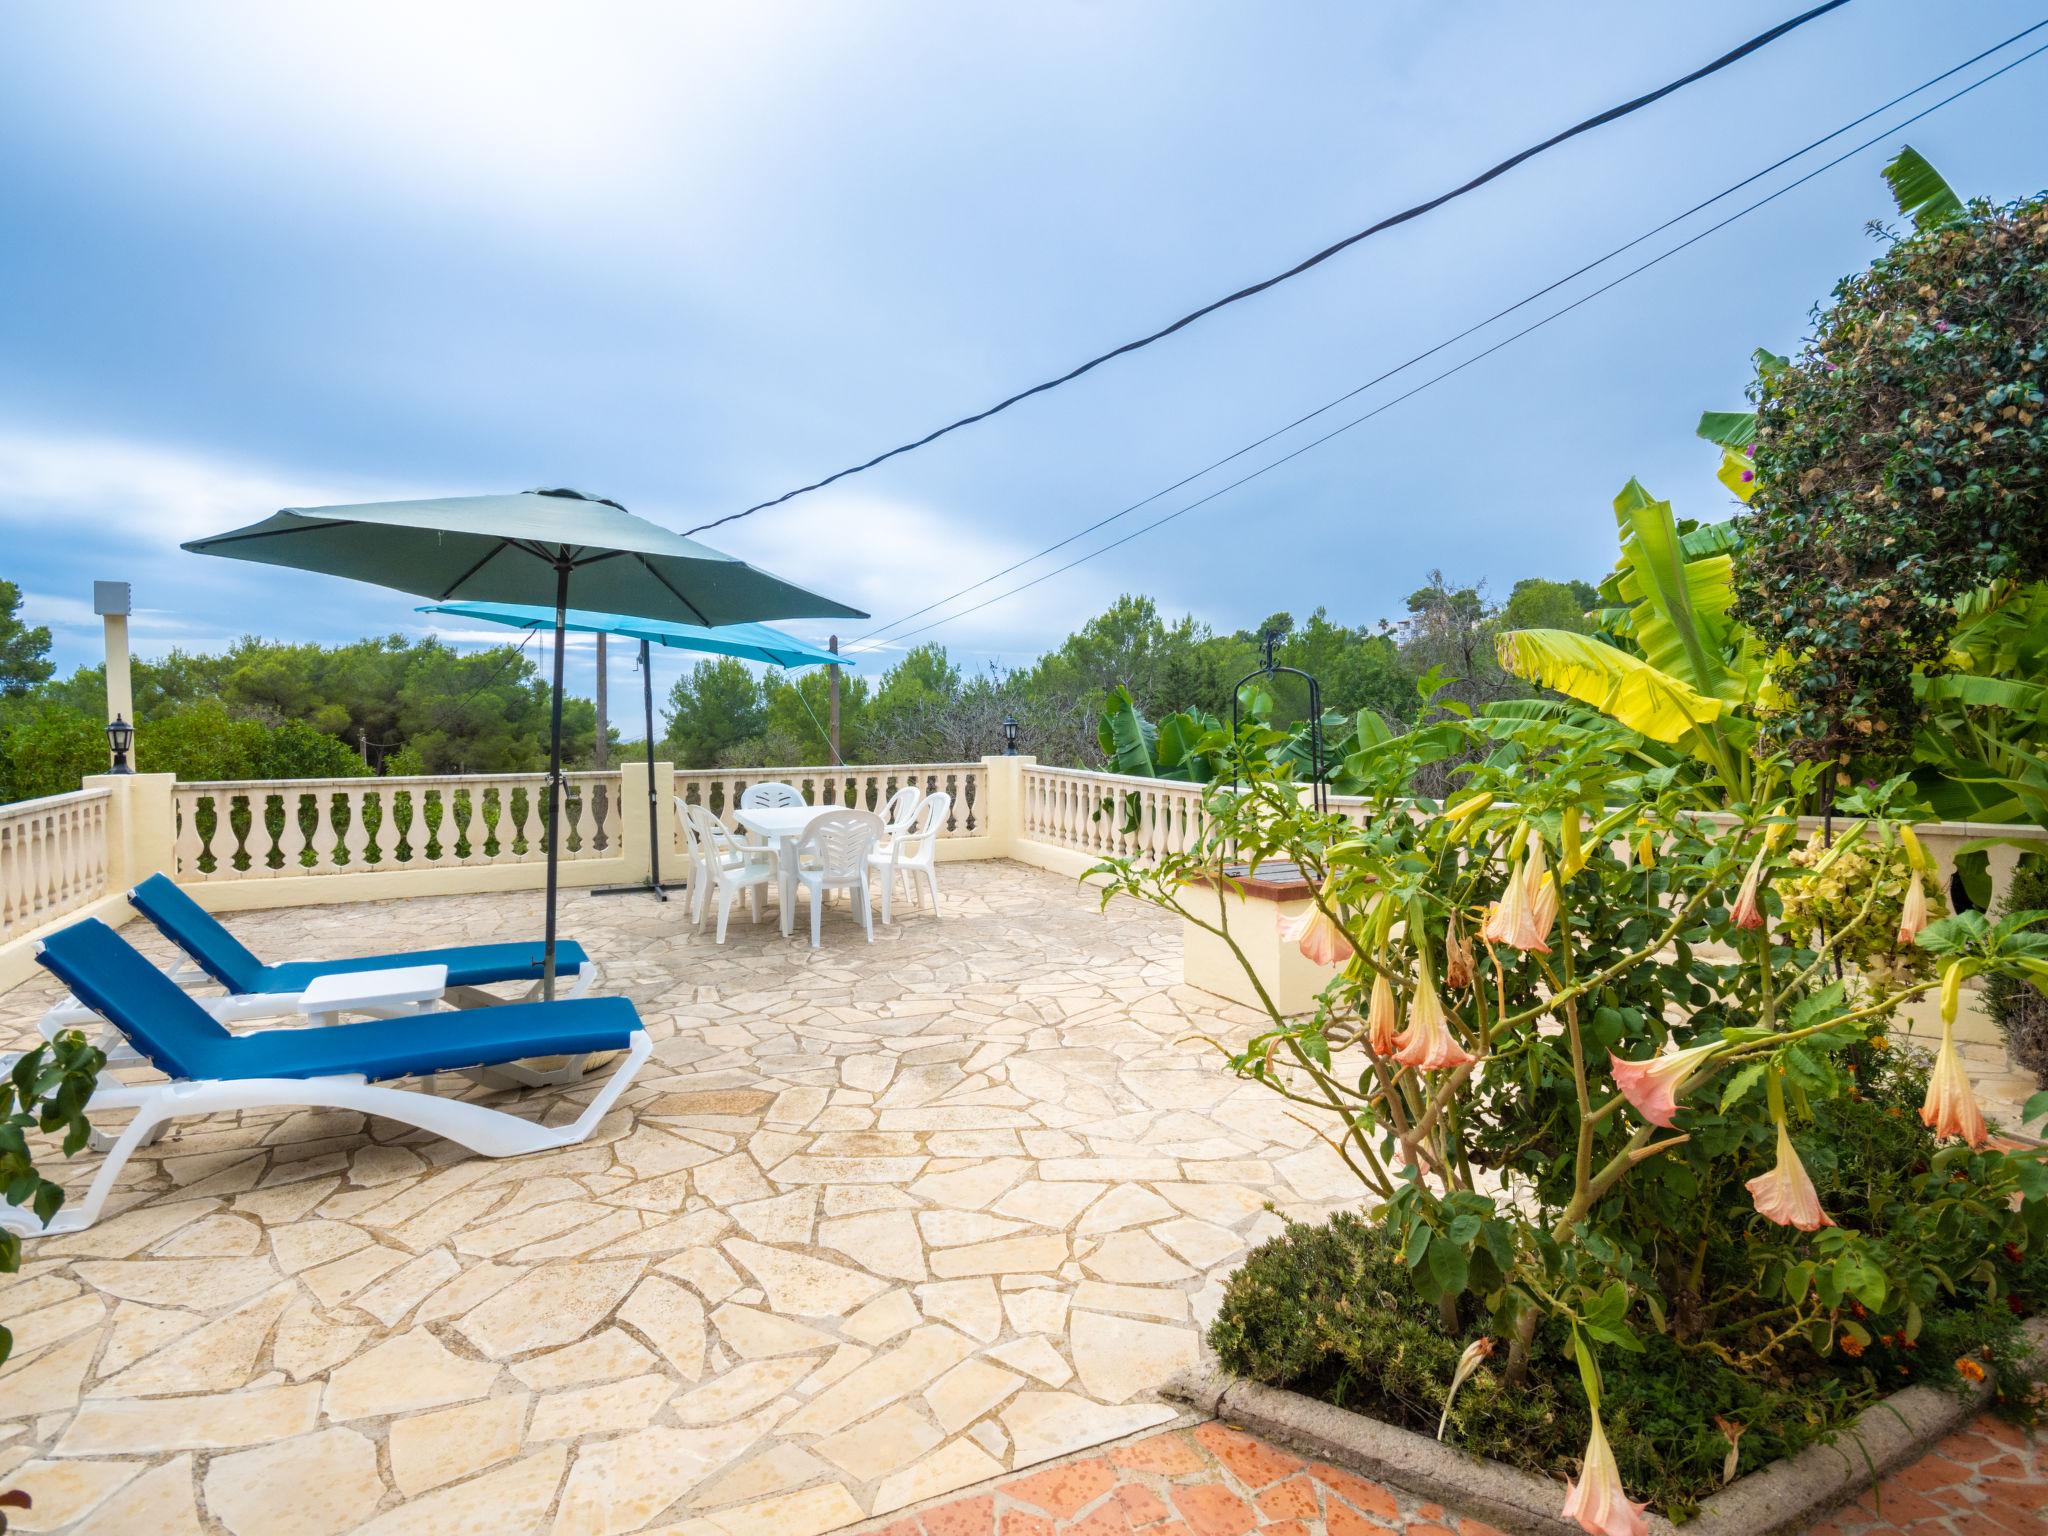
[(1787, 1495)]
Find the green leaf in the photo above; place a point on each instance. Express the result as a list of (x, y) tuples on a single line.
[(1919, 190), (1730, 429), (1741, 1083), (1447, 1267), (1125, 736), (1623, 687)]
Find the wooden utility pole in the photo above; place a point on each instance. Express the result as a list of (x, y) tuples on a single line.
[(601, 754), (833, 646)]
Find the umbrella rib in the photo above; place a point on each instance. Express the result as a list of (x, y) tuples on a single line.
[(266, 533), (675, 594), (493, 554)]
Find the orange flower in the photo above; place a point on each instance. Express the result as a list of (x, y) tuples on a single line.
[(1913, 916), (1381, 1019), (1951, 1106), (1527, 909), (1597, 1500), (1786, 1195), (1748, 911), (1969, 1369), (1851, 1346), (1427, 1044), (1318, 935), (1653, 1086)]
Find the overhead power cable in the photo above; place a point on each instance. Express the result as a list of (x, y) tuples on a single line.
[(1506, 341), (1598, 120), (1450, 341)]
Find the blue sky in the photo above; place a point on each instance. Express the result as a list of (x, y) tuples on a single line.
[(686, 257)]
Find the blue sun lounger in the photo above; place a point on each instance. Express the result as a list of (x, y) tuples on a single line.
[(335, 1066), (224, 958)]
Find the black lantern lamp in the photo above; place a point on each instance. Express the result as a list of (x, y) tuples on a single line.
[(121, 738), (1009, 735)]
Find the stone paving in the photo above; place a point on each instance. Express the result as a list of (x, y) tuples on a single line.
[(1988, 1480), (874, 1226)]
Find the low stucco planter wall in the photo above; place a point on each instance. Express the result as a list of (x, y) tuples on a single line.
[(1787, 1496)]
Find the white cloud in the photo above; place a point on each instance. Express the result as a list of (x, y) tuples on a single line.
[(143, 494)]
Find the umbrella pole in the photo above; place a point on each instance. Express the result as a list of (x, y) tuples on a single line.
[(555, 777), (653, 800)]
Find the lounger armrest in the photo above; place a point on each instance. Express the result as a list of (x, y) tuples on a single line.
[(398, 990)]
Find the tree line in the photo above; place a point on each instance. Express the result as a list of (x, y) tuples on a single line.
[(268, 709)]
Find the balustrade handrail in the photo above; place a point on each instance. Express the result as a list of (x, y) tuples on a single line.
[(53, 857), (13, 808)]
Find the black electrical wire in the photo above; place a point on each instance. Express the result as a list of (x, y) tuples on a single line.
[(1612, 114), (1449, 341), (1557, 314)]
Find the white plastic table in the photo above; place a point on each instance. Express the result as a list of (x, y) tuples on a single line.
[(781, 825), (401, 990)]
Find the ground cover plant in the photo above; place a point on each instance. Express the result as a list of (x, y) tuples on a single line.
[(1612, 1111)]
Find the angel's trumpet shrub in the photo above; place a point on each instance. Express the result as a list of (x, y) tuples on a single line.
[(1913, 915), (1597, 1500), (1748, 911), (1652, 1087), (1527, 909), (1318, 935), (1951, 1106), (1382, 1020), (1786, 1194), (1457, 957)]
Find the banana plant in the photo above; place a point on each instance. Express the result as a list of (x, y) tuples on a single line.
[(1987, 710), (1676, 670)]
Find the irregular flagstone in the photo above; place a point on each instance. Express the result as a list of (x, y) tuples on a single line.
[(882, 1444), (65, 1490), (1035, 1356), (602, 1357), (49, 1382), (782, 1219), (968, 1391), (1129, 1205), (615, 1405), (407, 1286), (216, 1421), (885, 1242), (429, 1449), (969, 1305), (139, 1330), (550, 1305), (217, 1357), (203, 1284), (775, 1470), (1005, 1256), (972, 1188), (159, 1502), (802, 1285), (511, 1499), (619, 1485), (1048, 1205), (1047, 1424), (671, 1319), (753, 1334), (1133, 1258), (808, 1513), (320, 1485), (883, 1318), (742, 1390), (957, 1464), (308, 1344), (1117, 1358), (402, 1375), (921, 1358)]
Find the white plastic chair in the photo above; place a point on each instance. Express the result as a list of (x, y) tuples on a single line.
[(913, 851), (693, 851), (729, 867), (900, 807), (833, 854), (768, 795)]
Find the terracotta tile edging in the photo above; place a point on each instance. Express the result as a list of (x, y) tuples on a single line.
[(1786, 1496)]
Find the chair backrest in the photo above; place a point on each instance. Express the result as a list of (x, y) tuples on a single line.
[(839, 842), (161, 1020), (901, 806), (713, 836), (692, 844), (193, 929), (770, 794), (923, 829)]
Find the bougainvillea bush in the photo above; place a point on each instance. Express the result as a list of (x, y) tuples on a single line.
[(1590, 1080)]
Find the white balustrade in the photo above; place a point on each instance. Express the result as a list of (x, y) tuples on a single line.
[(53, 858), (1111, 814), (864, 788), (290, 827)]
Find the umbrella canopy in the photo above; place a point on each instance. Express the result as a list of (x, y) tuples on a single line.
[(511, 549), (749, 642), (531, 546)]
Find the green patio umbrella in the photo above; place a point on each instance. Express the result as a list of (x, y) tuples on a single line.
[(749, 642), (542, 546)]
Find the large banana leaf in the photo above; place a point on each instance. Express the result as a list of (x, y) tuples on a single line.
[(1126, 737), (1728, 429), (1680, 614), (1178, 750), (1919, 190), (1625, 688)]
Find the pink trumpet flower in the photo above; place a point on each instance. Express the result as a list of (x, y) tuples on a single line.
[(1427, 1044), (1527, 909), (1786, 1195), (1951, 1107), (1317, 935), (1748, 910), (1913, 916), (1597, 1500), (1652, 1087), (1382, 1022)]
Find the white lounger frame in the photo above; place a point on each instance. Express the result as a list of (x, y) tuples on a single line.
[(492, 1132)]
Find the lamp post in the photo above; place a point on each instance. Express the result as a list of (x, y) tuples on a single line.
[(1009, 735), (120, 737)]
